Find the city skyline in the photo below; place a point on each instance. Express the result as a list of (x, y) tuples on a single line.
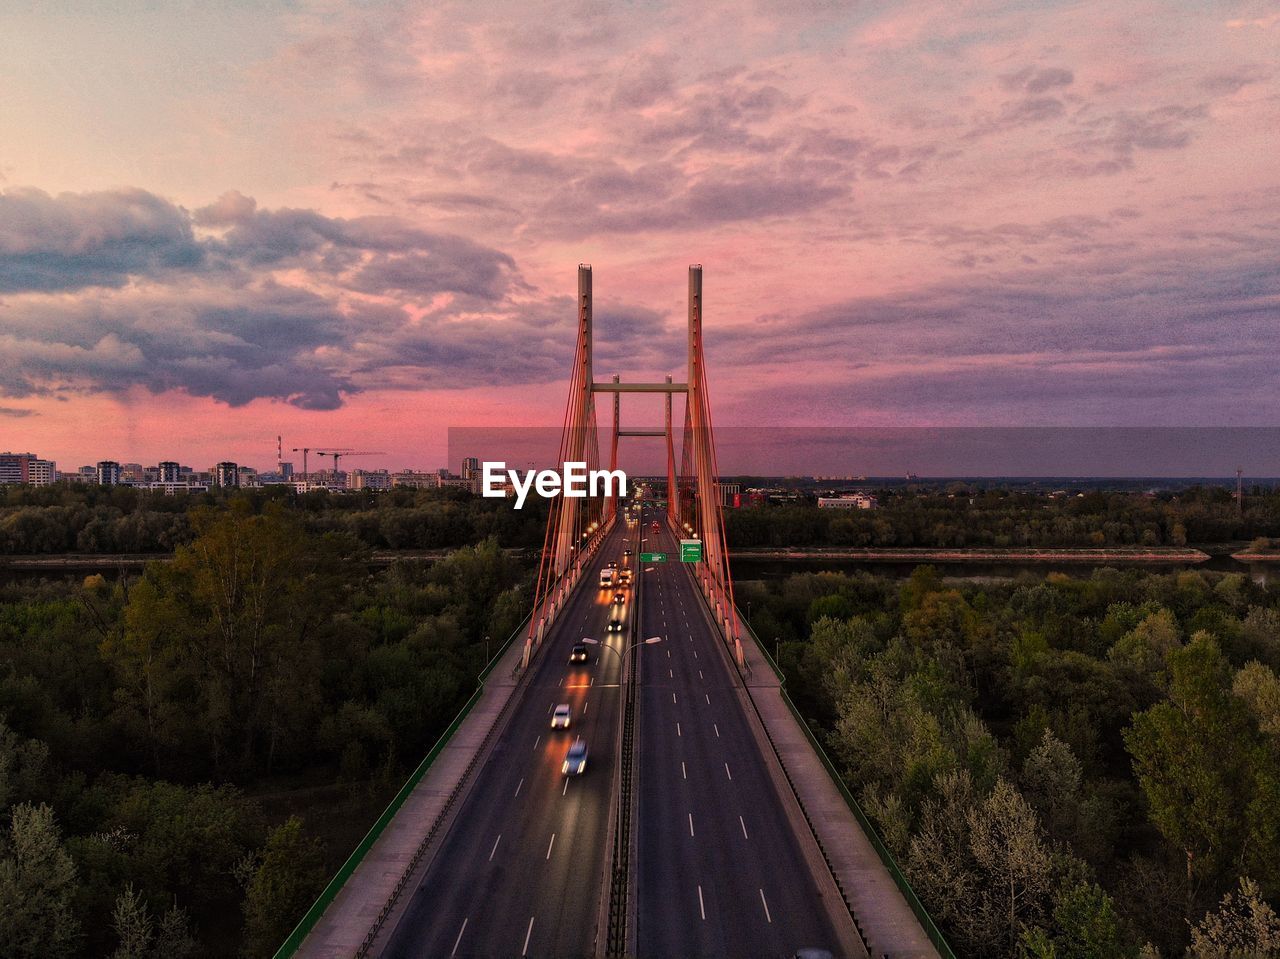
[(1053, 215)]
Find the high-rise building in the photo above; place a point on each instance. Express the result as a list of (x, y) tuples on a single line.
[(170, 472), (226, 475), (27, 468), (370, 479), (131, 473), (286, 470), (108, 473), (470, 468)]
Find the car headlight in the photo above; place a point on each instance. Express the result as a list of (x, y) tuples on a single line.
[(564, 768)]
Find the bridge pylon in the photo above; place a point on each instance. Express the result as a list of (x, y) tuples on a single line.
[(575, 527)]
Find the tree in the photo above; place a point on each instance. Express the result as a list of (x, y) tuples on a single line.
[(286, 881), (1191, 756), (132, 925), (1243, 927), (37, 888), (1051, 778), (1086, 925)]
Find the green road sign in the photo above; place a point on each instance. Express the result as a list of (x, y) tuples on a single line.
[(691, 551), (653, 557)]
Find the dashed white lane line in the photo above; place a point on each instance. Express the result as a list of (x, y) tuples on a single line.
[(525, 950), (671, 673), (702, 909), (690, 824), (765, 903), (518, 788), (677, 729), (700, 674), (536, 741), (708, 695), (683, 772), (459, 939), (565, 791), (717, 729), (726, 771), (585, 704), (553, 840), (695, 654), (744, 828), (495, 847)]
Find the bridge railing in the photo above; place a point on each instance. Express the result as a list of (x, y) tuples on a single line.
[(290, 946), (886, 856)]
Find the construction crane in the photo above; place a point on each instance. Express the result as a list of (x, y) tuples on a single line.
[(339, 453), (304, 450)]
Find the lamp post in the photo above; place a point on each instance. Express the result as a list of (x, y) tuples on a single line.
[(644, 642)]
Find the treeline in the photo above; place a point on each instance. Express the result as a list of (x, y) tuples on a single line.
[(962, 517), (119, 519), (158, 737), (1064, 767)]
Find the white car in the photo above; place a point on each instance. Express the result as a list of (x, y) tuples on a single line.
[(560, 718)]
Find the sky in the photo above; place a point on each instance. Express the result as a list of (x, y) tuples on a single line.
[(358, 224)]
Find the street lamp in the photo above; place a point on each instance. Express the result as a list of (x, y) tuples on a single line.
[(644, 642)]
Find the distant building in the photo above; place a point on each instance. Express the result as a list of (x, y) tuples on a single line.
[(728, 493), (457, 482), (27, 468), (131, 473), (108, 473), (370, 479), (182, 486), (249, 478), (170, 472), (226, 475), (470, 468), (847, 501), (286, 471), (414, 480)]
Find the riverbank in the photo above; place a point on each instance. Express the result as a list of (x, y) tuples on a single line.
[(1145, 556)]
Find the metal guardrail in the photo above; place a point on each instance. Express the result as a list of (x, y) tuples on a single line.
[(931, 929), (330, 892)]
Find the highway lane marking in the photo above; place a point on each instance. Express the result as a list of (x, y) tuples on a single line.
[(585, 704), (671, 673), (695, 654), (460, 932), (668, 654), (690, 824), (765, 903), (677, 729), (525, 950), (491, 852), (700, 674), (717, 729), (563, 792), (708, 695), (536, 741), (673, 697), (744, 828), (701, 907), (683, 772), (518, 787), (726, 771), (553, 835)]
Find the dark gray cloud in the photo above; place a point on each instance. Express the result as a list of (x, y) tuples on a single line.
[(15, 413), (70, 241), (1036, 80)]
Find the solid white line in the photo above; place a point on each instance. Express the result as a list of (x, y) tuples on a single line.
[(701, 908), (683, 772), (726, 771), (690, 824), (460, 932), (717, 729), (525, 950), (744, 828), (553, 835), (495, 847), (518, 787), (764, 903)]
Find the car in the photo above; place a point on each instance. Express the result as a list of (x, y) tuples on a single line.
[(619, 598), (560, 718), (610, 565), (615, 624), (655, 526), (579, 653), (625, 578), (626, 554), (575, 760)]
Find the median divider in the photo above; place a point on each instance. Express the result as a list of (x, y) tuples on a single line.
[(290, 946)]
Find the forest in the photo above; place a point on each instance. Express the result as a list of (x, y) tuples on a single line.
[(187, 756), (958, 516), (1064, 767), (119, 519)]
